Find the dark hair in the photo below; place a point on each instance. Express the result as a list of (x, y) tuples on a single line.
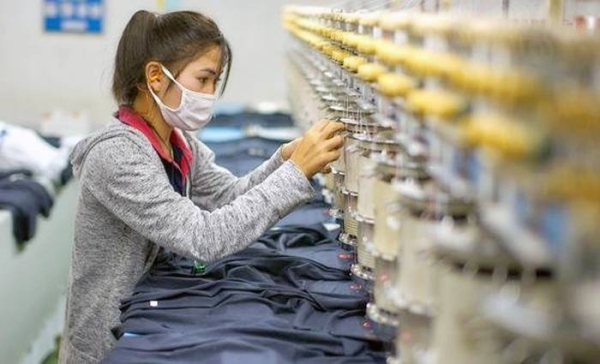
[(173, 39)]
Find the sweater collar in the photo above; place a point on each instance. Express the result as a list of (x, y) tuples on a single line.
[(128, 116)]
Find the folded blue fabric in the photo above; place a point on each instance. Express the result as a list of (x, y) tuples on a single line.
[(217, 134), (286, 299)]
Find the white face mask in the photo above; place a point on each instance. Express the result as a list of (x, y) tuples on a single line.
[(194, 110)]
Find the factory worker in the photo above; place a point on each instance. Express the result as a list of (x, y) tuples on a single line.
[(148, 185)]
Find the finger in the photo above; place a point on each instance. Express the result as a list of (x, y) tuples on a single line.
[(332, 128), (321, 125), (325, 170), (332, 155), (296, 141), (334, 143)]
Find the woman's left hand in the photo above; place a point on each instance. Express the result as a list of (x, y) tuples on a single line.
[(288, 148)]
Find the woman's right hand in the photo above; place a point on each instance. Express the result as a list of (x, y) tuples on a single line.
[(319, 146)]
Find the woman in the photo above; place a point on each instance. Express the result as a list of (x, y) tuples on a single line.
[(146, 185)]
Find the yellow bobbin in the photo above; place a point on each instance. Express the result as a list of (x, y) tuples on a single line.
[(440, 104), (395, 84), (370, 72), (352, 63)]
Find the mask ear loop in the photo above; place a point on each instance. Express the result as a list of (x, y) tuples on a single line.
[(169, 75), (182, 89), (150, 112)]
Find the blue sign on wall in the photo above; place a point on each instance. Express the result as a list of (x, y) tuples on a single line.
[(78, 16)]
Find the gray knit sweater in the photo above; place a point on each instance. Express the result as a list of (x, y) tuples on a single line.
[(128, 209)]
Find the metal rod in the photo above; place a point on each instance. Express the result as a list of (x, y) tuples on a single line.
[(446, 5), (557, 9), (505, 7)]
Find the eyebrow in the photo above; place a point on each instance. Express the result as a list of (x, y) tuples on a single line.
[(209, 70)]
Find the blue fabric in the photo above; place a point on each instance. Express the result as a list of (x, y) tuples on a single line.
[(309, 214), (220, 134), (242, 119), (286, 299), (228, 126), (16, 173), (261, 345), (228, 108), (242, 156)]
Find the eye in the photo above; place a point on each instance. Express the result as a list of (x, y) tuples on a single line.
[(203, 80)]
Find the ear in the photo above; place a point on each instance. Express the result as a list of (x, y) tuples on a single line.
[(155, 76)]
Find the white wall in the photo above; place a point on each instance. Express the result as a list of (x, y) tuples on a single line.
[(33, 280), (41, 71)]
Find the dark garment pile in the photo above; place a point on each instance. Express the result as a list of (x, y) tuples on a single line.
[(25, 199), (288, 298), (21, 192)]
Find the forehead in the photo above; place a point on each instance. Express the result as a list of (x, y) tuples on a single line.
[(209, 58)]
